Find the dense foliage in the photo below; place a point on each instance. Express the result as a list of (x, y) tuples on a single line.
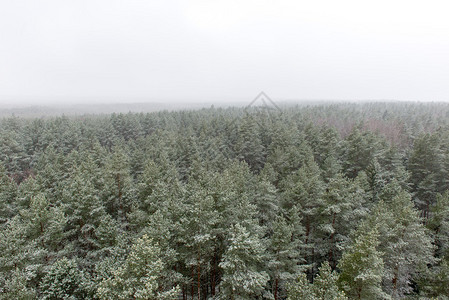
[(338, 201)]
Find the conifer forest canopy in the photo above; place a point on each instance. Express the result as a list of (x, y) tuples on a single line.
[(328, 201)]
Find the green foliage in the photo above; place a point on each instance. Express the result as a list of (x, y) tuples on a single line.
[(284, 250), (324, 286), (361, 147), (16, 287), (139, 276), (404, 241), (31, 237), (435, 281), (249, 144), (227, 203), (362, 267), (64, 280), (8, 192), (439, 224), (242, 275), (344, 206)]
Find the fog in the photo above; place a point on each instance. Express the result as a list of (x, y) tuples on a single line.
[(102, 51)]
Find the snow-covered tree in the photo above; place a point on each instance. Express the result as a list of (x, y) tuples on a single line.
[(362, 267), (241, 265), (324, 286), (139, 277)]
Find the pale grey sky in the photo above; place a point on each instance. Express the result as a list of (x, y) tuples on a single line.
[(203, 50)]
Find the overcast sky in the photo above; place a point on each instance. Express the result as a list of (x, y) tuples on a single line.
[(108, 50)]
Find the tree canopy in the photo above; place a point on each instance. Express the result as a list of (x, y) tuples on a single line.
[(331, 201)]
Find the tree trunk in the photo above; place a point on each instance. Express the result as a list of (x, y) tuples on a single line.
[(199, 280), (119, 186), (192, 286), (395, 279), (307, 253), (276, 284), (307, 230), (214, 273)]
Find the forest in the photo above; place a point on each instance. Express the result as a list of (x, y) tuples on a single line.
[(326, 201)]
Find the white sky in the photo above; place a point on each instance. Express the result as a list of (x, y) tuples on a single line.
[(109, 50)]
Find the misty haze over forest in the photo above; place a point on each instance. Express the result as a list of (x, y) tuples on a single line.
[(99, 51)]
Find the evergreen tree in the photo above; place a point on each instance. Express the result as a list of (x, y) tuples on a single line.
[(439, 224), (305, 190), (267, 201), (436, 281), (12, 154), (197, 227), (360, 148), (64, 280), (16, 286), (362, 267), (284, 250), (404, 242), (249, 145), (424, 165), (85, 211), (29, 241), (242, 275), (119, 191), (324, 286), (139, 277), (8, 194), (344, 206)]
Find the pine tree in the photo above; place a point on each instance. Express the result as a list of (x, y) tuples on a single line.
[(119, 190), (139, 277), (83, 206), (52, 169), (324, 286), (362, 267), (284, 250), (197, 227), (404, 241), (12, 154), (8, 194), (435, 282), (29, 241), (439, 224), (16, 286), (343, 207), (376, 179), (267, 201), (242, 277), (288, 155), (359, 150), (305, 190), (64, 280), (301, 289), (249, 145), (165, 230), (424, 165)]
